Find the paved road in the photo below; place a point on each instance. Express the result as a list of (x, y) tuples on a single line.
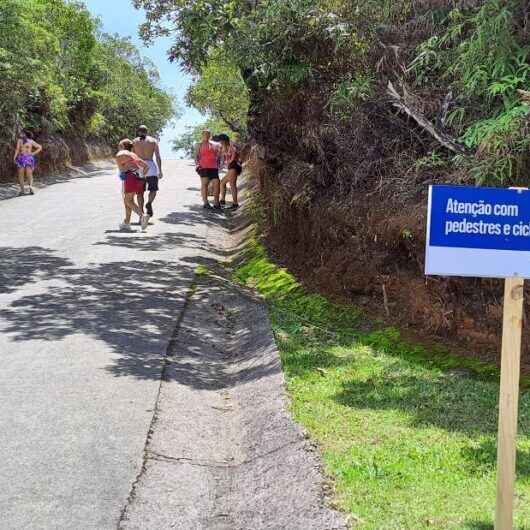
[(128, 399), (86, 314)]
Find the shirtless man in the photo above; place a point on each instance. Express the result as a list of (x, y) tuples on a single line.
[(146, 147), (24, 159)]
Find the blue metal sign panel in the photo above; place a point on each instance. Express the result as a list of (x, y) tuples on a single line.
[(478, 231)]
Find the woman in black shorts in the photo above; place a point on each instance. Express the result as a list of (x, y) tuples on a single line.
[(233, 163)]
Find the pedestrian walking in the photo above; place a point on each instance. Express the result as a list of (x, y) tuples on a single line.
[(132, 168), (25, 152), (146, 147), (207, 157)]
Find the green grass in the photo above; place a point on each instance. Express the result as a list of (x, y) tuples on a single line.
[(408, 437)]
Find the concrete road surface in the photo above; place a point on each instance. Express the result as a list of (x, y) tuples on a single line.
[(86, 313), (134, 393)]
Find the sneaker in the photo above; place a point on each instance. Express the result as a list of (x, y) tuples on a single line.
[(145, 221), (124, 227), (31, 191), (149, 209), (21, 193), (207, 206)]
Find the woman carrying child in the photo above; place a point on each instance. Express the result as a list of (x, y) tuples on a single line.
[(131, 168)]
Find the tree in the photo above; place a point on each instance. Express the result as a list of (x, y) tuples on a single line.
[(187, 141), (220, 92), (60, 75)]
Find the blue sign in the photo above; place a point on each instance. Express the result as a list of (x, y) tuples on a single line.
[(478, 231)]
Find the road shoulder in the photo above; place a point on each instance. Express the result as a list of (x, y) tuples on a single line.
[(223, 451)]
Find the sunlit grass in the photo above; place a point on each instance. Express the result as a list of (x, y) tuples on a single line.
[(408, 436)]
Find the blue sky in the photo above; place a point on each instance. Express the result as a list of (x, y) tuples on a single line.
[(119, 16)]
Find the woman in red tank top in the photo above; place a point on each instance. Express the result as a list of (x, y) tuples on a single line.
[(207, 163)]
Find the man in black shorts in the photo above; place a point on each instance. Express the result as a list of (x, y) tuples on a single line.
[(146, 147), (207, 158)]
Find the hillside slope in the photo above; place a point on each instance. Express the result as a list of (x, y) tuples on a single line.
[(355, 107)]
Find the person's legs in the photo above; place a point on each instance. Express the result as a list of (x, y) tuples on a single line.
[(20, 175), (224, 181), (128, 213), (216, 190), (29, 175), (152, 186), (140, 199), (204, 189), (129, 203), (233, 186)]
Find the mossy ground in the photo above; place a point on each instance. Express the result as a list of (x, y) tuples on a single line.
[(407, 433)]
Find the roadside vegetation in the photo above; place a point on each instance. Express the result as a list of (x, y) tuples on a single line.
[(354, 108), (65, 80), (458, 69), (407, 434)]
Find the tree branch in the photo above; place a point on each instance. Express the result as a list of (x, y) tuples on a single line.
[(442, 115), (233, 126), (406, 104)]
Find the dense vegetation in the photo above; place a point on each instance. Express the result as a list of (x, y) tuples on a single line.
[(354, 107), (61, 77), (407, 432), (456, 65)]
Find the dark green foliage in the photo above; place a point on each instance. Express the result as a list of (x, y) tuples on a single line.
[(330, 61), (60, 76)]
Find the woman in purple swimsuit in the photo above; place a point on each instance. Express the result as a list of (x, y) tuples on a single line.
[(24, 159)]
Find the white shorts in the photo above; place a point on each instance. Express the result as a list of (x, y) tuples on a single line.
[(153, 169)]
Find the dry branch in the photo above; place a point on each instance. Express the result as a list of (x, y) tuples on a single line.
[(231, 125), (442, 115), (406, 103), (525, 95)]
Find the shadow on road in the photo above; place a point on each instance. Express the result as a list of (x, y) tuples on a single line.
[(132, 306), (19, 266), (10, 190), (195, 215)]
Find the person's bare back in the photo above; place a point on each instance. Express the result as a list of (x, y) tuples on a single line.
[(145, 148)]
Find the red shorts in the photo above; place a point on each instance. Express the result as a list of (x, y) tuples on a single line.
[(132, 183)]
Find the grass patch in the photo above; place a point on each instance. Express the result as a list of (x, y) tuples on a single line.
[(408, 436), (201, 270)]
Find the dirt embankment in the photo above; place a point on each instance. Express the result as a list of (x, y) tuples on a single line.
[(58, 154), (370, 252)]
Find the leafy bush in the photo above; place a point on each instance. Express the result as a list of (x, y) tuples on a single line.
[(220, 92)]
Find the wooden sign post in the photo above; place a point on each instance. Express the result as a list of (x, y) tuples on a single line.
[(485, 232), (509, 400)]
